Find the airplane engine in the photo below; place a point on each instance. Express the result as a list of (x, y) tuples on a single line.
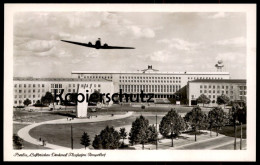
[(90, 43), (105, 45)]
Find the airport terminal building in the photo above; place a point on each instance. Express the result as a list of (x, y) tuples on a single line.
[(235, 89), (35, 88), (162, 84)]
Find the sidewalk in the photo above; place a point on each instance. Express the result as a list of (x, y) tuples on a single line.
[(24, 132)]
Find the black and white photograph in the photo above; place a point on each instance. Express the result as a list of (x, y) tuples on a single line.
[(103, 82)]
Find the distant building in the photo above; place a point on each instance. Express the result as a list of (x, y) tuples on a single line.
[(162, 84), (35, 88), (235, 89)]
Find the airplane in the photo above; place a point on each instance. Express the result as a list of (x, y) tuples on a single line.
[(97, 45)]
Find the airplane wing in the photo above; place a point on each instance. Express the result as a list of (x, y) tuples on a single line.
[(93, 46), (115, 47), (79, 43)]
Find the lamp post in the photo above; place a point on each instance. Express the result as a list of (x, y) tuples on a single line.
[(71, 138), (156, 131)]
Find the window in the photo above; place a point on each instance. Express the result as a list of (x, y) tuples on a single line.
[(34, 85), (200, 91), (15, 85), (39, 85), (20, 85), (205, 86), (25, 85), (43, 85)]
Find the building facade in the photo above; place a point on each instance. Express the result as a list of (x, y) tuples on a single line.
[(35, 88), (162, 84), (233, 88)]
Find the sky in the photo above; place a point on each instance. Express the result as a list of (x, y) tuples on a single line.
[(170, 42)]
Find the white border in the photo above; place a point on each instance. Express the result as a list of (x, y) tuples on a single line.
[(136, 155)]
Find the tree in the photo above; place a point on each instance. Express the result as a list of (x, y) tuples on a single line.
[(95, 97), (217, 118), (139, 131), (97, 142), (27, 102), (203, 99), (48, 98), (17, 142), (196, 118), (223, 99), (107, 139), (171, 123), (152, 134), (238, 114), (123, 134), (85, 141), (211, 120)]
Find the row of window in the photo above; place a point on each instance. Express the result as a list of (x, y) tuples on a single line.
[(29, 91), (146, 77), (21, 102), (29, 85), (150, 88), (86, 85), (213, 91), (213, 86), (26, 96), (150, 81), (242, 88), (97, 77), (56, 85), (190, 78)]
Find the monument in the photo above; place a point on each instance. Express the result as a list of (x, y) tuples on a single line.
[(82, 107)]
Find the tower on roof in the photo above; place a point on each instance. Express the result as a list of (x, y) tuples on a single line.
[(150, 68), (219, 66)]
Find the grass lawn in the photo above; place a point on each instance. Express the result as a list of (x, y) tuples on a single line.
[(27, 145), (60, 134), (229, 131)]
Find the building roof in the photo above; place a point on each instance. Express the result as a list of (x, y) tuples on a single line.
[(219, 81), (58, 79), (149, 72)]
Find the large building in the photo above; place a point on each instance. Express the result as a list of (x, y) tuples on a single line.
[(35, 88), (233, 88), (162, 84)]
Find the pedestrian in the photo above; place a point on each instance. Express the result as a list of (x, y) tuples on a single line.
[(67, 119), (40, 139), (43, 142)]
